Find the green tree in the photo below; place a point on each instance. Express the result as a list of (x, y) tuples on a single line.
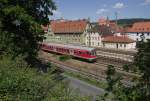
[(139, 89), (19, 82), (20, 25)]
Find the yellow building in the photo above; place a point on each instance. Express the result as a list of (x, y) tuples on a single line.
[(65, 31)]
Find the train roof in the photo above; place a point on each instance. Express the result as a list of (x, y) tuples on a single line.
[(71, 46)]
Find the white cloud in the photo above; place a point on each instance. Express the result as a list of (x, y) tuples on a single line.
[(119, 5), (100, 11), (57, 13), (146, 2)]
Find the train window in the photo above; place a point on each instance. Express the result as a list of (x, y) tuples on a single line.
[(89, 53), (67, 50), (75, 52), (63, 50), (93, 53), (84, 53), (80, 52)]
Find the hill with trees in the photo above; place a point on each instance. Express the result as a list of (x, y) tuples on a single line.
[(130, 21)]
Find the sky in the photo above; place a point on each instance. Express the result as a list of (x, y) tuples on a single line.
[(95, 9)]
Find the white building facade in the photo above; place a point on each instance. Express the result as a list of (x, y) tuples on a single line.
[(118, 42), (93, 39), (139, 35), (139, 30)]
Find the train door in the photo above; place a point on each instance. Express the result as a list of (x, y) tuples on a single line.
[(71, 52), (54, 47)]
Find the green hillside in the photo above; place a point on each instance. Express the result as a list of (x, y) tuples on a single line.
[(124, 22)]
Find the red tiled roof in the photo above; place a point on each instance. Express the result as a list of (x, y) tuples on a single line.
[(77, 26), (107, 35), (115, 27), (140, 27), (118, 39)]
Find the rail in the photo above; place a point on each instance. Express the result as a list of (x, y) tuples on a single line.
[(95, 73)]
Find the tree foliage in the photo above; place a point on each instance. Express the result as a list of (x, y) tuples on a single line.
[(20, 25), (19, 82), (139, 89)]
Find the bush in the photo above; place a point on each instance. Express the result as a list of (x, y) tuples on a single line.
[(20, 82), (64, 57)]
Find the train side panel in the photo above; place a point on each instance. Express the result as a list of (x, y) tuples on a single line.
[(84, 54)]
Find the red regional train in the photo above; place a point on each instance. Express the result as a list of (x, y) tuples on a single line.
[(86, 53)]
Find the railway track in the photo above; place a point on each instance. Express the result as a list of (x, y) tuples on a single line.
[(123, 57), (97, 73), (112, 61), (65, 67), (125, 52)]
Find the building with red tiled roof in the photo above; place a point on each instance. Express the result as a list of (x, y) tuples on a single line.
[(118, 42), (77, 26), (141, 27), (118, 39), (68, 31), (139, 30), (95, 34)]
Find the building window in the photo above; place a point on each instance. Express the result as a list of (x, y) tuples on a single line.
[(124, 45), (103, 44), (117, 45), (93, 43), (120, 45)]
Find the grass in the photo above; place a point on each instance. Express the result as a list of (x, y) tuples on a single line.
[(64, 58), (100, 84)]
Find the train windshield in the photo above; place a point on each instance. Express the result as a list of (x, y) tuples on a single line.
[(93, 52)]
